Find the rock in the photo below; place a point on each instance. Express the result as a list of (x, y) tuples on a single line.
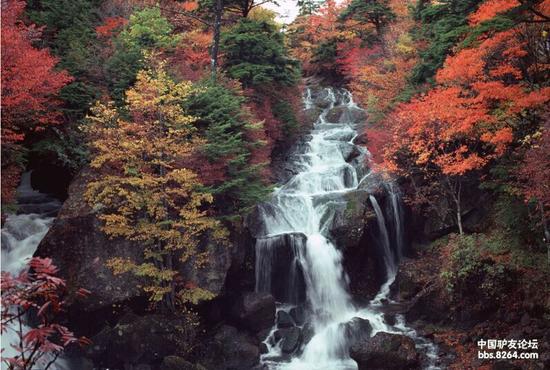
[(385, 351), (231, 350), (255, 311), (289, 285), (347, 216), (290, 339), (357, 330), (335, 114), (321, 98), (80, 249), (176, 363), (298, 315), (389, 318), (140, 340), (263, 348), (284, 320), (307, 333), (349, 151)]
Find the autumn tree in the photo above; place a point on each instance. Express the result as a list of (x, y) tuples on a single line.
[(30, 88), (145, 190), (470, 117)]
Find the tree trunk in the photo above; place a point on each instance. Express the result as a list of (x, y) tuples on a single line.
[(216, 42), (455, 190)]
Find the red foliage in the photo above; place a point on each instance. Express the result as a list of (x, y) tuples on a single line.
[(29, 81), (191, 59), (29, 88), (39, 290), (110, 25), (535, 170)]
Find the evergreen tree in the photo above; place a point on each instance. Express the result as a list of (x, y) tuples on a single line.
[(376, 12), (69, 33), (255, 54), (226, 124), (442, 25)]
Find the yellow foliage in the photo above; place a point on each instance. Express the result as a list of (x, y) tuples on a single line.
[(144, 191)]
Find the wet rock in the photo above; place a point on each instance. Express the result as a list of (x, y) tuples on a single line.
[(290, 338), (385, 351), (357, 330), (255, 311), (284, 320), (321, 98), (231, 350), (349, 151), (298, 315), (263, 348), (389, 318), (349, 216), (334, 114), (307, 333)]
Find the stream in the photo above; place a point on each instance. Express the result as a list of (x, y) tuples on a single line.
[(21, 234), (298, 218)]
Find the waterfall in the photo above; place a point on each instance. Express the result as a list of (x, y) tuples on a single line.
[(21, 235), (397, 212), (296, 259), (388, 255)]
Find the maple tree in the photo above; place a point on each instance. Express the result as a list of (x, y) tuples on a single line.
[(469, 118), (30, 88), (37, 290), (146, 191)]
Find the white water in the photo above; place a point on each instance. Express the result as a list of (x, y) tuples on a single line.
[(21, 235), (301, 210)]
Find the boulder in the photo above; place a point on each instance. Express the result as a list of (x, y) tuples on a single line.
[(298, 315), (385, 351), (349, 214), (230, 349), (80, 249), (357, 330), (290, 338), (335, 114), (349, 151), (255, 311), (284, 320)]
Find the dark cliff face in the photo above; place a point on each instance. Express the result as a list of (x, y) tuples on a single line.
[(79, 247)]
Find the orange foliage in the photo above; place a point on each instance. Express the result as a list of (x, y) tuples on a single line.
[(491, 8), (465, 122), (192, 56), (110, 25)]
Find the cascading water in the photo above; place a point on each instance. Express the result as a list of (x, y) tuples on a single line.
[(296, 259), (21, 235)]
